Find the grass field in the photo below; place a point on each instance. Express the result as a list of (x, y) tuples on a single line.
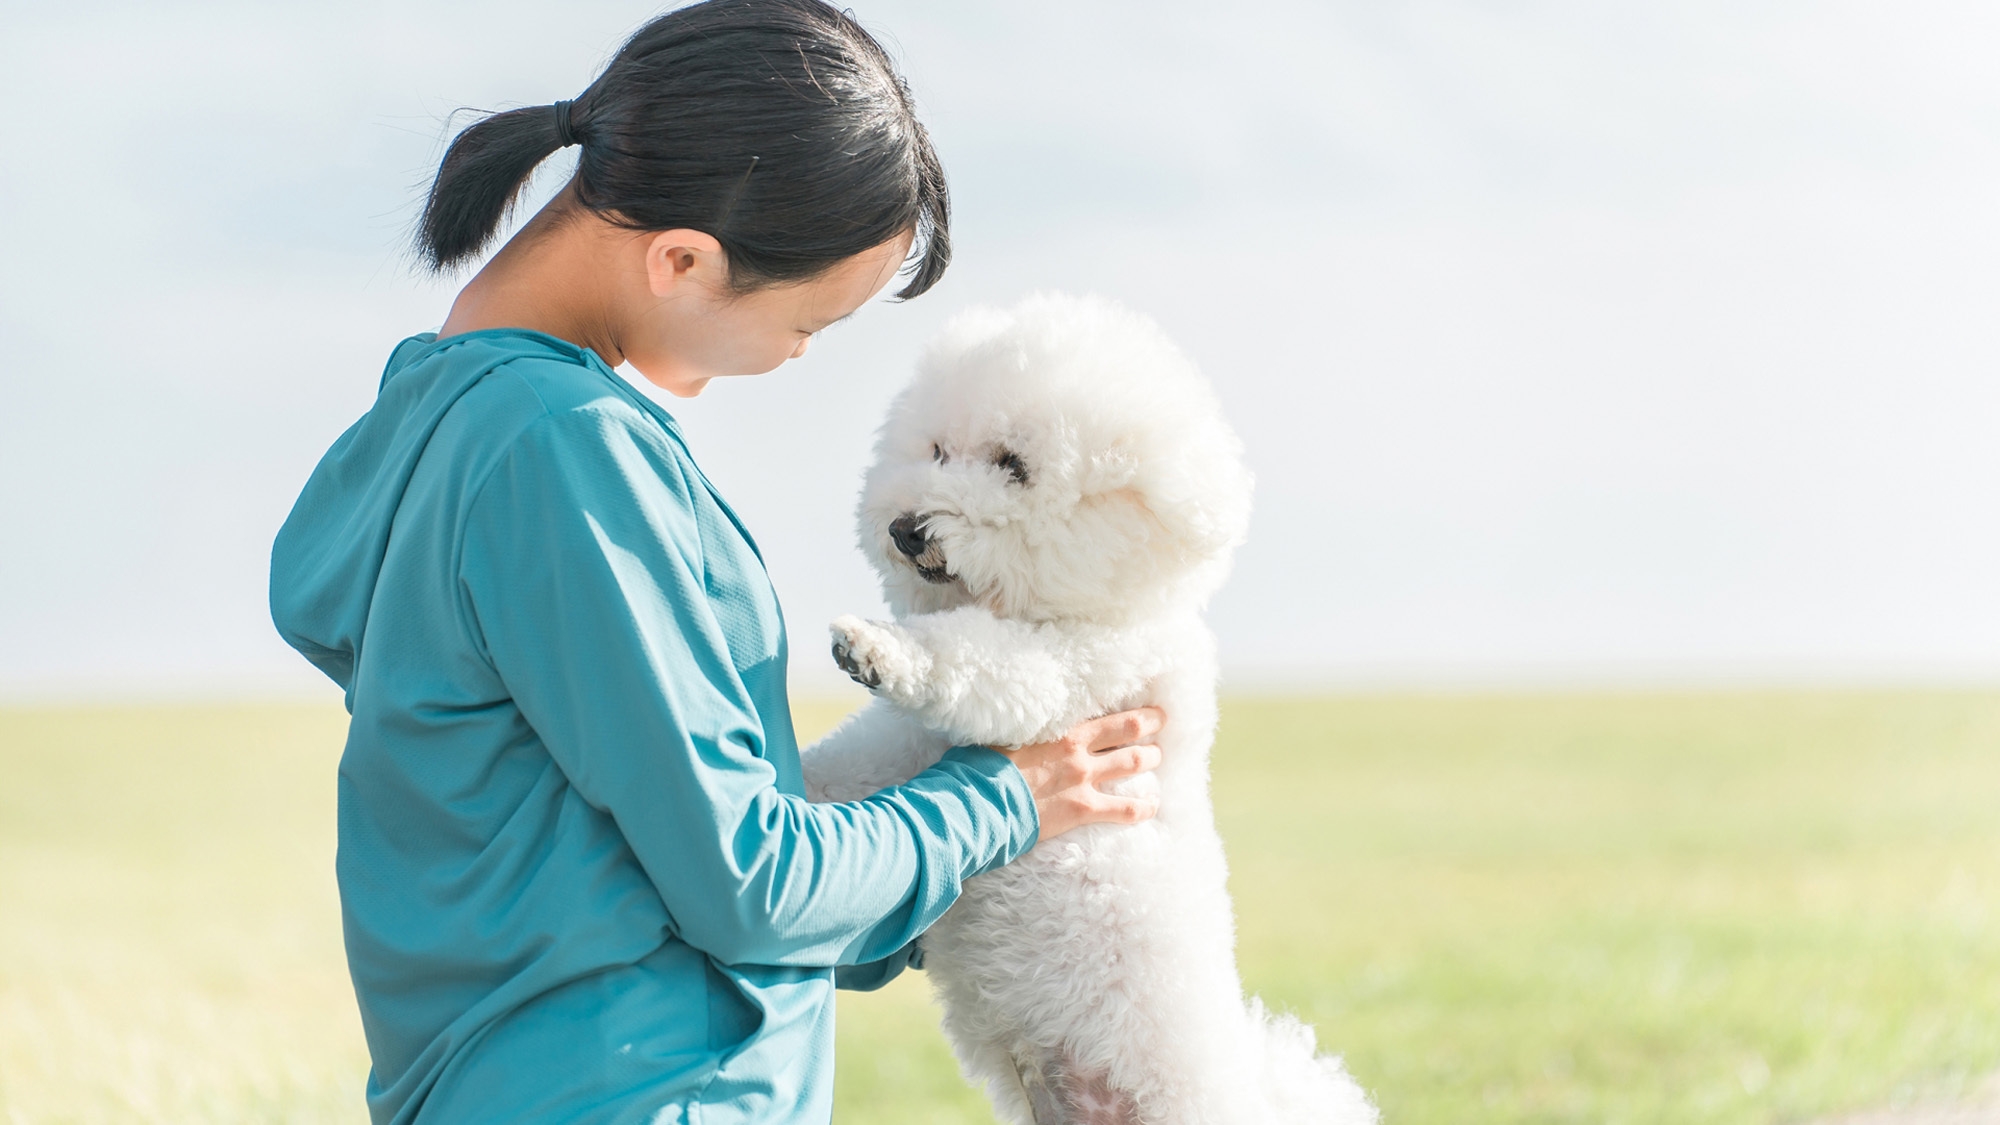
[(1649, 909)]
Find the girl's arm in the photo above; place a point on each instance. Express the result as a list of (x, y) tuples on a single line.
[(582, 581)]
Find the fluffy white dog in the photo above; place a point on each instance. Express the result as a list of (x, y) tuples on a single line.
[(1052, 502)]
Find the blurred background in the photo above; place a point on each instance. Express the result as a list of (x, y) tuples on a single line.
[(1621, 385), (1571, 342)]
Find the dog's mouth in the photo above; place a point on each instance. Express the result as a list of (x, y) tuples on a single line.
[(930, 565), (911, 542)]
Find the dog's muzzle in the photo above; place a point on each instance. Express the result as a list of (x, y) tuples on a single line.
[(908, 534)]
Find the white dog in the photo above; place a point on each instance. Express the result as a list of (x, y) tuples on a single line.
[(1052, 502)]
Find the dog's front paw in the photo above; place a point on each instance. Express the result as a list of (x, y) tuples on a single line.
[(854, 655), (873, 655)]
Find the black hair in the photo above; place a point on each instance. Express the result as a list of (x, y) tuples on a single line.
[(779, 127)]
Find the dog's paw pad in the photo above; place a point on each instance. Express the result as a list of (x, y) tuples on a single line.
[(864, 675), (861, 649)]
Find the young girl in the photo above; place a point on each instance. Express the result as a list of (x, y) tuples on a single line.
[(579, 877)]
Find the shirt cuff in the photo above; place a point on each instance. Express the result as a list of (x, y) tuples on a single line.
[(1013, 798)]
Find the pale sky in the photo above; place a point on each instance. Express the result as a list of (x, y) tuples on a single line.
[(1572, 343)]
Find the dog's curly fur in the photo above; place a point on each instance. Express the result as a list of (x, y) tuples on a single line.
[(1053, 500)]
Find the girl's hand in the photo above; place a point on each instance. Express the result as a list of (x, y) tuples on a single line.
[(1065, 774)]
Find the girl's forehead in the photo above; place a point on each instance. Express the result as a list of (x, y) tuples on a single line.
[(837, 293)]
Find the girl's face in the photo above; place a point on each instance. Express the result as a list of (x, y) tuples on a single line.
[(688, 327)]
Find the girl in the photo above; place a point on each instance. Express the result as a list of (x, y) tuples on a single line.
[(579, 878)]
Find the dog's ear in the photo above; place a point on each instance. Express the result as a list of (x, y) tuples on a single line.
[(1108, 470), (1207, 525), (1201, 495), (1203, 517)]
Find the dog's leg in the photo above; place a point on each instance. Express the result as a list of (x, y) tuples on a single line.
[(1060, 1095), (881, 656), (978, 678), (1042, 1101)]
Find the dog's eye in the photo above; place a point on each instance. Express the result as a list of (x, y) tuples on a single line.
[(938, 454), (1011, 461)]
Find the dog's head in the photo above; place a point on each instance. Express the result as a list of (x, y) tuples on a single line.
[(1061, 460)]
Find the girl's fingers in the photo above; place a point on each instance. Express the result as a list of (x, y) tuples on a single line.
[(1125, 762), (1123, 729), (1105, 808), (1065, 774)]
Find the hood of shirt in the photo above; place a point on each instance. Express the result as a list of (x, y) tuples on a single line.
[(327, 558)]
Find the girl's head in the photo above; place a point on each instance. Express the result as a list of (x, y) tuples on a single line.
[(777, 128)]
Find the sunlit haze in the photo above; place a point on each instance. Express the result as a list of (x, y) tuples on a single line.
[(1571, 343)]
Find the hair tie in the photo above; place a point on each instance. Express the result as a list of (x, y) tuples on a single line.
[(564, 138)]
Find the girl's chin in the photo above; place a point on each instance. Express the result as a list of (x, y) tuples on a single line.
[(676, 381), (684, 383)]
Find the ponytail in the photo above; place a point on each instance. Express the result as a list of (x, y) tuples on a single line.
[(480, 181), (780, 127)]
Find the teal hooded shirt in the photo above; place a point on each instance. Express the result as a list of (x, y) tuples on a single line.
[(579, 878)]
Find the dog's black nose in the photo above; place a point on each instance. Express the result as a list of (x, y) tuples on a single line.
[(909, 536)]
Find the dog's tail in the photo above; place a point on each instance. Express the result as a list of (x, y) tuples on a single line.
[(1302, 1086)]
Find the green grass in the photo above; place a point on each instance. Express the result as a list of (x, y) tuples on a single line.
[(169, 932), (1675, 909), (1724, 909)]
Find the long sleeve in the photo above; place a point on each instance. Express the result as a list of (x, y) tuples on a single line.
[(582, 574), (875, 974)]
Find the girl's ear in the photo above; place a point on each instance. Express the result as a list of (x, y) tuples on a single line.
[(676, 256)]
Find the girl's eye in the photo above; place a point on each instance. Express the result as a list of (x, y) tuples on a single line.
[(937, 453), (1011, 461)]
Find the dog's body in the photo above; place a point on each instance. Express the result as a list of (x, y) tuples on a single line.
[(1053, 500)]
